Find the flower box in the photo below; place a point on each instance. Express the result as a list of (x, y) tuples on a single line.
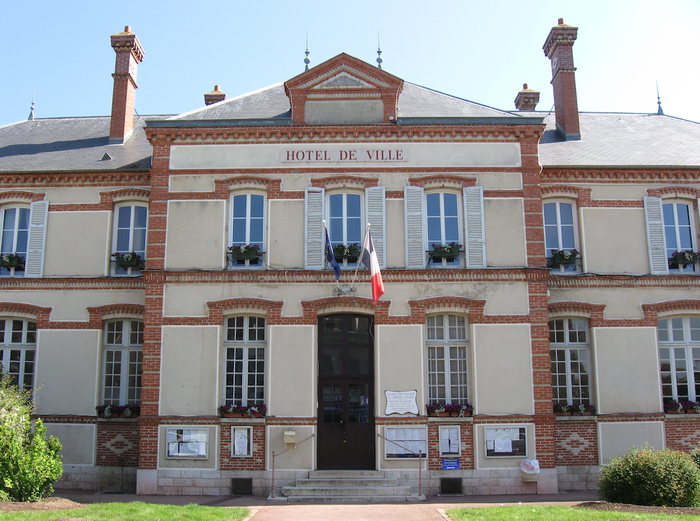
[(448, 251), (11, 260), (564, 257), (241, 254), (583, 409), (454, 409), (350, 252), (242, 411), (683, 258), (691, 407), (118, 411), (127, 260), (672, 407)]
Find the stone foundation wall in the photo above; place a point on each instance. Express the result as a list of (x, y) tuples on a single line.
[(104, 479), (579, 477)]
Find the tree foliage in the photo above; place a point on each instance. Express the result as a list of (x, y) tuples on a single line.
[(667, 478), (29, 461)]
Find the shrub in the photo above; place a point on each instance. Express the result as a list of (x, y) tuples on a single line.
[(29, 461), (666, 478)]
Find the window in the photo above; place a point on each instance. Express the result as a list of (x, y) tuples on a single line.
[(447, 359), (15, 236), (571, 364), (559, 232), (247, 227), (17, 349), (442, 215), (677, 233), (123, 354), (679, 355), (244, 348), (130, 235), (345, 223)]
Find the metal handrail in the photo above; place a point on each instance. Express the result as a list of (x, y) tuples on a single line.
[(274, 455), (420, 463)]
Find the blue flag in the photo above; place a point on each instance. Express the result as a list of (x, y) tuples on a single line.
[(330, 257)]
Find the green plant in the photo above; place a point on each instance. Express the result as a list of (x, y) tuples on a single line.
[(665, 477), (29, 461)]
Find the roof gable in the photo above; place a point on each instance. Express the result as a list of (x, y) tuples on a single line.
[(343, 91)]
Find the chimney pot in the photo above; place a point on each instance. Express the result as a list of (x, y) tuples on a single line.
[(214, 96), (561, 21), (527, 99), (127, 29)]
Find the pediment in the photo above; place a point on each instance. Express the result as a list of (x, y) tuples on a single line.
[(343, 91)]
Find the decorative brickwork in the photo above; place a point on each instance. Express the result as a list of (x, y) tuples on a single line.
[(682, 431), (576, 440), (254, 462), (117, 442)]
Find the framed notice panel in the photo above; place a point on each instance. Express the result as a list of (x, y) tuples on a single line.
[(187, 443), (505, 441)]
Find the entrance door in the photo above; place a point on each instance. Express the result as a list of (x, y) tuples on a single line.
[(346, 393)]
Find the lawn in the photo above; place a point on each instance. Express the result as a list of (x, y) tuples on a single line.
[(556, 513), (136, 511)]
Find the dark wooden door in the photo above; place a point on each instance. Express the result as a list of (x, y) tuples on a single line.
[(346, 393)]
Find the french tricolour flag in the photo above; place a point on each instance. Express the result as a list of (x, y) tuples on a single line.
[(369, 258)]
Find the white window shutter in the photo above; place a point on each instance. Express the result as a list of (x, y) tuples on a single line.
[(314, 258), (474, 227), (34, 265), (376, 217), (653, 211), (415, 242)]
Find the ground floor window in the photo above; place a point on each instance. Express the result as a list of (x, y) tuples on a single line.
[(18, 349)]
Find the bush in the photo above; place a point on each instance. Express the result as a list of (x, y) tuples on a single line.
[(29, 462), (667, 478)]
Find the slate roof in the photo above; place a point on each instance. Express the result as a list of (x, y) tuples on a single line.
[(272, 103), (624, 139), (607, 139), (71, 144)]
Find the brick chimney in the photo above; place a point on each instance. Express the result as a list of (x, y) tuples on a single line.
[(527, 99), (214, 96), (558, 48), (129, 54)]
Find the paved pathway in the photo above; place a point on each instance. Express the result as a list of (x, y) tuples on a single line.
[(264, 510)]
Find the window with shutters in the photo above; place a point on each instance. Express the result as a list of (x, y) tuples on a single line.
[(15, 238), (244, 360), (679, 357), (571, 361), (440, 220), (346, 213), (123, 356), (131, 225), (678, 235), (247, 230), (447, 357), (560, 235), (18, 349)]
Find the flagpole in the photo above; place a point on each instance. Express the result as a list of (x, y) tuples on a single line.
[(325, 234), (364, 242)]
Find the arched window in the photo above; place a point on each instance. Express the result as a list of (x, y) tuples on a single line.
[(679, 356), (571, 361), (247, 228), (17, 349), (447, 357), (244, 360), (131, 225), (559, 234), (14, 241)]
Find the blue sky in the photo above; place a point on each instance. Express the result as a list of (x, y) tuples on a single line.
[(483, 53)]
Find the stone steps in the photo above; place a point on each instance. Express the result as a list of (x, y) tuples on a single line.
[(361, 486)]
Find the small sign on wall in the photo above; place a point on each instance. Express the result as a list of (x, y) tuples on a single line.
[(401, 402), (450, 463)]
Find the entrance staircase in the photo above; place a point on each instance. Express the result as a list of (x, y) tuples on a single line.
[(349, 486)]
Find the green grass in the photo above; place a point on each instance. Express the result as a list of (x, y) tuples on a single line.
[(554, 513), (135, 511)]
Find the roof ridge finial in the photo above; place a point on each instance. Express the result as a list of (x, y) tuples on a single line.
[(31, 111), (306, 60), (379, 52), (660, 111)]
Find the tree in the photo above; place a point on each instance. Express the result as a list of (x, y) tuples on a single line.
[(29, 461)]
